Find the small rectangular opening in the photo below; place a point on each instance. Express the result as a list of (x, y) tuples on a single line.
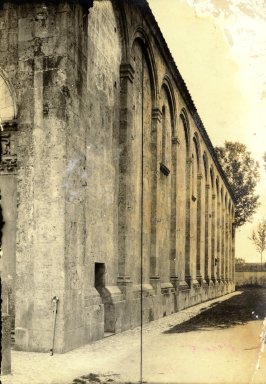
[(99, 281)]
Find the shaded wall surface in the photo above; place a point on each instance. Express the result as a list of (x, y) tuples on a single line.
[(256, 278), (250, 267), (118, 200)]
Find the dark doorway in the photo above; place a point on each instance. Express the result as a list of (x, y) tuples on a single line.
[(109, 313), (100, 277)]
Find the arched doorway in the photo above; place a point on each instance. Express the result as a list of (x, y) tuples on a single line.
[(8, 195)]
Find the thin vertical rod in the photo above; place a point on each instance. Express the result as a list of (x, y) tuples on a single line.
[(142, 217)]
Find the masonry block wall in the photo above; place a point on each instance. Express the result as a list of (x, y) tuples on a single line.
[(123, 211), (250, 278)]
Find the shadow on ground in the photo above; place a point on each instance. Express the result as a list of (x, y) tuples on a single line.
[(93, 378), (247, 306)]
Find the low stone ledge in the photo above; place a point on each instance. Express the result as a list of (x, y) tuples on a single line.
[(6, 345)]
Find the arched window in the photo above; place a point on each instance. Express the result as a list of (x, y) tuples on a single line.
[(163, 134), (7, 102), (167, 129)]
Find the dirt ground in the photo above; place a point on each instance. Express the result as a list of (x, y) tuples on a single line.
[(220, 341)]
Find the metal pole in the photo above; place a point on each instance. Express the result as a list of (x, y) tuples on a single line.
[(55, 300)]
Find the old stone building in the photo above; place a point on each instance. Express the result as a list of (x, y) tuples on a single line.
[(112, 197)]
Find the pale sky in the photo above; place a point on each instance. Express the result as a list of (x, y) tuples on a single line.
[(219, 47)]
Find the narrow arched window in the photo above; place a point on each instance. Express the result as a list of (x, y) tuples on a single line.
[(163, 135), (167, 128)]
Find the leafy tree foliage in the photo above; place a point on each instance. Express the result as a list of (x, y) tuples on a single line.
[(264, 159), (242, 172), (239, 261), (259, 238)]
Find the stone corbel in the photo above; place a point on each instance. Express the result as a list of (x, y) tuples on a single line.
[(200, 176), (175, 140), (127, 72), (157, 114)]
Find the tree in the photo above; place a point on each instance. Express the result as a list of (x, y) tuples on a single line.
[(240, 261), (259, 238), (264, 159), (242, 173)]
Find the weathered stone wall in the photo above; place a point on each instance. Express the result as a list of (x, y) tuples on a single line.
[(42, 99), (5, 344), (37, 64), (121, 204), (102, 156), (250, 278)]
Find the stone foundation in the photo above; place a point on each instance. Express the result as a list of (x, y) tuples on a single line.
[(6, 345)]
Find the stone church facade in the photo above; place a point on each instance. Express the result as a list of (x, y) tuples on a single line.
[(112, 197)]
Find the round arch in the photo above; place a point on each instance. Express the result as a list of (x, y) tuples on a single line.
[(167, 85), (198, 150), (141, 36), (8, 103)]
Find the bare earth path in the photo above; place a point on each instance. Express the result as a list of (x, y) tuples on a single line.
[(215, 342)]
